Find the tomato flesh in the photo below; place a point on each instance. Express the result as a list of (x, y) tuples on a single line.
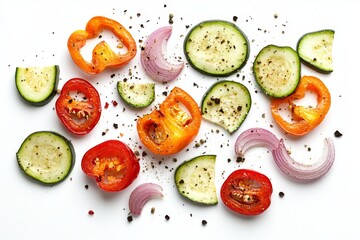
[(78, 106), (112, 164), (247, 192)]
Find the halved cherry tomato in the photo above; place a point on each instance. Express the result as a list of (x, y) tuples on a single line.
[(102, 55), (247, 192), (112, 164), (304, 119), (169, 129), (78, 106)]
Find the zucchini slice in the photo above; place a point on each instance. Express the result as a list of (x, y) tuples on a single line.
[(216, 47), (315, 50), (37, 85), (138, 95), (46, 157), (277, 70), (227, 104), (195, 179)]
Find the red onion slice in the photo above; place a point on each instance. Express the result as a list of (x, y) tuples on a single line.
[(153, 57), (305, 172), (255, 137), (259, 137), (142, 194)]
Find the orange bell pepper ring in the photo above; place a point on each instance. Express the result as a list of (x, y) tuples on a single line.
[(102, 55), (303, 119), (170, 128)]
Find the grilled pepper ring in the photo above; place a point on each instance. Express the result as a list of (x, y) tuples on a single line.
[(303, 119), (170, 128), (102, 55)]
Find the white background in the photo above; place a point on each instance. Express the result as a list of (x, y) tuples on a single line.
[(34, 33)]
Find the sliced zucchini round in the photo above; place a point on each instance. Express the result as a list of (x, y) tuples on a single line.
[(46, 157), (138, 95), (195, 179), (277, 70), (216, 47), (315, 50), (37, 85), (227, 104)]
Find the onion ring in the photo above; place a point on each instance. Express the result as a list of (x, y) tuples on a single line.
[(153, 57), (142, 194), (259, 137)]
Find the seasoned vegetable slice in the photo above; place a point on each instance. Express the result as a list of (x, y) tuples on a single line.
[(37, 85), (216, 47), (195, 179), (138, 95), (277, 70), (315, 50), (227, 104), (46, 156)]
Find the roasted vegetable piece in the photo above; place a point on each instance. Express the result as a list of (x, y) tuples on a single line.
[(303, 118), (112, 164), (78, 106), (277, 70), (46, 157), (315, 50), (216, 48), (102, 55), (170, 128), (37, 85), (195, 179), (247, 192)]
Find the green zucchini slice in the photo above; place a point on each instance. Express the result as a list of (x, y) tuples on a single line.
[(37, 85), (195, 179), (46, 157), (137, 95), (227, 104), (315, 50), (277, 70), (216, 48)]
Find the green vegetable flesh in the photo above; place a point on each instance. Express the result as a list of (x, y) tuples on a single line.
[(315, 50), (46, 157), (195, 179), (217, 48), (37, 85), (277, 70), (138, 95), (227, 104)]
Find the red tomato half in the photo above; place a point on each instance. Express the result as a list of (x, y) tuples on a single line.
[(78, 106), (247, 192), (112, 164)]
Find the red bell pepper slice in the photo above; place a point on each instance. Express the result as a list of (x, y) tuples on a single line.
[(78, 106), (112, 164), (247, 192)]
